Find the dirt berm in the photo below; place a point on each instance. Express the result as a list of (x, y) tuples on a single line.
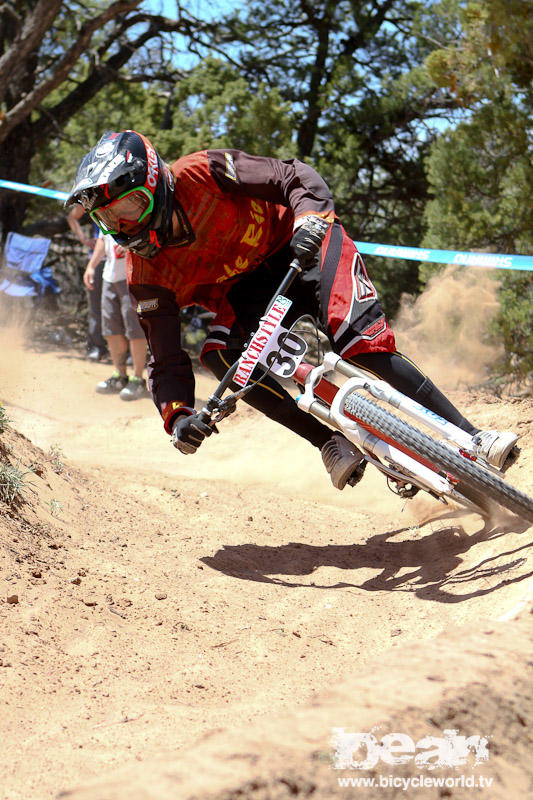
[(197, 627), (476, 680)]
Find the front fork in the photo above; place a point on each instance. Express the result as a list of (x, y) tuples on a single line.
[(395, 460), (358, 379)]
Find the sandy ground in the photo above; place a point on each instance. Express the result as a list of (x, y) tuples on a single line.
[(196, 627)]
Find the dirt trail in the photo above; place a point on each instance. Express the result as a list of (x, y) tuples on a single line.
[(158, 607)]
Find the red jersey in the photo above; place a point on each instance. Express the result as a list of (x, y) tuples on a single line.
[(237, 210), (240, 209)]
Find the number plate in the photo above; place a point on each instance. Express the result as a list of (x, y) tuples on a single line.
[(272, 346), (285, 353)]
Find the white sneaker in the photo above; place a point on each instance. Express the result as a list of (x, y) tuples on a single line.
[(343, 460), (494, 446)]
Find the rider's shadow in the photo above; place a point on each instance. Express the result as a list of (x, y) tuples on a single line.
[(433, 563)]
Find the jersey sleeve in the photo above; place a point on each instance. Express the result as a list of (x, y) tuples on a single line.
[(169, 369), (290, 183)]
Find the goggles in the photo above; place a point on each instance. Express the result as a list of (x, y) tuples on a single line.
[(125, 214)]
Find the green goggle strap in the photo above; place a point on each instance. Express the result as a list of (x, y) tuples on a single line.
[(149, 209)]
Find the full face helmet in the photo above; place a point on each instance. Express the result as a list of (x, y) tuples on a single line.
[(128, 191)]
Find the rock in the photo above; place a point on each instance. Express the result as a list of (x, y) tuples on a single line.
[(13, 599), (161, 595)]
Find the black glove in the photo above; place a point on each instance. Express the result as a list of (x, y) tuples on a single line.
[(308, 238), (189, 432)]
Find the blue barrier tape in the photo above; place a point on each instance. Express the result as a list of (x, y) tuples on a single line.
[(23, 187), (491, 260)]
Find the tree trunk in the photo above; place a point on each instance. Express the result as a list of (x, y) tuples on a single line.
[(15, 160)]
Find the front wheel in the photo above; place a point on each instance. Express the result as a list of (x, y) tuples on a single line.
[(474, 482)]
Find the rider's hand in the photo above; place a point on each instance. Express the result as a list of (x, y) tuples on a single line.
[(307, 239), (189, 432)]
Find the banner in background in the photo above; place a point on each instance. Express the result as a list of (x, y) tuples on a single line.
[(24, 187), (487, 260)]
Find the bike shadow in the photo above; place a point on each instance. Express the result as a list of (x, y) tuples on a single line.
[(433, 562)]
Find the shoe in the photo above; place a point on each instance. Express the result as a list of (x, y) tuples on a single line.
[(95, 354), (135, 389), (343, 460), (494, 447), (112, 385)]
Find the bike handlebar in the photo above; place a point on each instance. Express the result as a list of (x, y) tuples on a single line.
[(213, 402), (294, 270)]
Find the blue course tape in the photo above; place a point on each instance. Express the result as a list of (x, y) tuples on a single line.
[(24, 187), (492, 260)]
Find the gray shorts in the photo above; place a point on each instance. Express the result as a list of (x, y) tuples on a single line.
[(118, 314)]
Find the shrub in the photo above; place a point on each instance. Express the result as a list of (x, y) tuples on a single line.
[(12, 483)]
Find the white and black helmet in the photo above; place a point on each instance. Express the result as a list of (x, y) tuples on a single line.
[(124, 165)]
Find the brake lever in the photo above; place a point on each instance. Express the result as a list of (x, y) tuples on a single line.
[(217, 408)]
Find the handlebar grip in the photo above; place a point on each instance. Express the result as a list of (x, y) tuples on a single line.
[(204, 416)]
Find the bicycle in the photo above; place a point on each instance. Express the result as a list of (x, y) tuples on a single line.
[(411, 460)]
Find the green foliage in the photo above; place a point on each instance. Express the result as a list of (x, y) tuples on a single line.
[(492, 55), (482, 202), (55, 507), (480, 173), (515, 323), (338, 84), (392, 278), (4, 419), (12, 483), (56, 458), (214, 106), (351, 72)]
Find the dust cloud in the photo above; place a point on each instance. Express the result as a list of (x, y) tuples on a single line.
[(13, 343), (17, 317), (446, 329)]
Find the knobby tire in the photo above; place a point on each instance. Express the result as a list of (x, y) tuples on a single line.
[(471, 475)]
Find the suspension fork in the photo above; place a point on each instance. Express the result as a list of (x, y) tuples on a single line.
[(316, 385)]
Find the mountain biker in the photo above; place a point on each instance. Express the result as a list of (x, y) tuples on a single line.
[(218, 229)]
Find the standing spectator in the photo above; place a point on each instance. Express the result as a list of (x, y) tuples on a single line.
[(120, 324), (96, 346)]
